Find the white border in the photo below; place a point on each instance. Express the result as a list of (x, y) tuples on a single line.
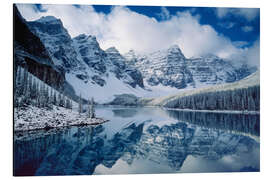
[(6, 85)]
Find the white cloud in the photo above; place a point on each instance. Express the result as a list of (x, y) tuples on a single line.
[(28, 11), (251, 55), (227, 25), (164, 14), (127, 30), (75, 20), (248, 13), (240, 44), (247, 28)]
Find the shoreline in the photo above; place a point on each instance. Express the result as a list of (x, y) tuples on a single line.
[(215, 111), (33, 118), (61, 127), (188, 110)]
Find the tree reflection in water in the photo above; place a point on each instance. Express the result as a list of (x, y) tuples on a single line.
[(79, 150)]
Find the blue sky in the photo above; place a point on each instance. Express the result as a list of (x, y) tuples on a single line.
[(237, 28), (230, 26), (226, 32)]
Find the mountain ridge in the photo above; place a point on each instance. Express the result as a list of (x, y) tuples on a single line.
[(82, 59)]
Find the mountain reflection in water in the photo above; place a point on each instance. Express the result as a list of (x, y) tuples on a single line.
[(134, 141)]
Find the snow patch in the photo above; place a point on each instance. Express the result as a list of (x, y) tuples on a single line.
[(103, 94), (33, 118)]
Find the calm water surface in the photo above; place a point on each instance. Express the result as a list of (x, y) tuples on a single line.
[(143, 140)]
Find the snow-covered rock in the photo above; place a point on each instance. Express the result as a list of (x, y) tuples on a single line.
[(57, 42), (33, 118), (171, 68), (211, 70), (82, 58), (129, 74), (86, 64), (166, 67)]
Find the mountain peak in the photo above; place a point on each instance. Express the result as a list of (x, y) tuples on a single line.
[(87, 39), (48, 19), (175, 48), (80, 37), (112, 50), (92, 38)]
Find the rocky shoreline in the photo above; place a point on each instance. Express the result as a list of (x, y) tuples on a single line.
[(34, 118)]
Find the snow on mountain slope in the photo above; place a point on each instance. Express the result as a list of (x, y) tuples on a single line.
[(154, 74), (57, 41), (252, 80), (83, 59), (129, 74), (103, 94), (170, 68), (211, 70), (166, 67)]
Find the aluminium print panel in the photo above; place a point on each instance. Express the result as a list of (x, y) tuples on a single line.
[(105, 89)]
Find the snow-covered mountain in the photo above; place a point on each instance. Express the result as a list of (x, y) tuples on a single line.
[(129, 74), (92, 71), (250, 81), (212, 70), (30, 53), (57, 42), (166, 67), (171, 68)]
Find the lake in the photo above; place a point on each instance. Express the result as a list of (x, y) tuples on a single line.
[(143, 140)]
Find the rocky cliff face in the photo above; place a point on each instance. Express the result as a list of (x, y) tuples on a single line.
[(211, 69), (166, 67), (131, 75), (82, 56), (90, 53), (105, 62), (57, 42), (30, 53), (171, 68)]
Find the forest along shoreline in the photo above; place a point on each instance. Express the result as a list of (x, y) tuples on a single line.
[(216, 111), (39, 106)]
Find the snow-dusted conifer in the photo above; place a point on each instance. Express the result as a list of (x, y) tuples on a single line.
[(54, 98), (89, 109), (18, 82), (80, 104), (25, 81), (59, 99), (92, 109)]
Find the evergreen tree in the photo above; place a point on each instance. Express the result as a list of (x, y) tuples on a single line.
[(92, 109), (80, 105), (238, 99), (18, 82), (61, 100), (89, 109), (54, 98), (25, 81)]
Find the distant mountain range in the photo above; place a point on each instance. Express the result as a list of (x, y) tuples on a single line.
[(82, 67)]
